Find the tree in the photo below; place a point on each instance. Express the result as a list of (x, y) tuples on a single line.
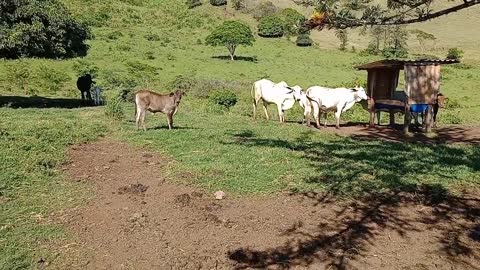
[(354, 13), (342, 35), (40, 28), (231, 34), (265, 8), (396, 42), (422, 37)]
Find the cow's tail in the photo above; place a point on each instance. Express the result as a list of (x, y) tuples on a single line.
[(252, 92)]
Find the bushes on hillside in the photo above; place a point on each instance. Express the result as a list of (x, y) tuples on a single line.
[(238, 4), (271, 26), (454, 54), (304, 40), (40, 29), (193, 3), (218, 2), (292, 20), (265, 8), (224, 98)]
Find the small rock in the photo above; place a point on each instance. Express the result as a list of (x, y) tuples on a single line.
[(219, 195)]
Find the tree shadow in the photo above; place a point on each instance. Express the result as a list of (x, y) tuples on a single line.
[(18, 102), (252, 59), (385, 179)]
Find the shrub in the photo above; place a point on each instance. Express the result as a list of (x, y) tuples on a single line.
[(114, 35), (152, 37), (114, 107), (83, 67), (265, 8), (271, 26), (304, 40), (193, 3), (224, 98), (183, 82), (454, 54), (238, 4), (18, 75), (218, 2), (121, 82), (31, 28), (292, 20), (53, 80)]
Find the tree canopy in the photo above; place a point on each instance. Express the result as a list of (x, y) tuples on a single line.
[(354, 13), (40, 28), (231, 34)]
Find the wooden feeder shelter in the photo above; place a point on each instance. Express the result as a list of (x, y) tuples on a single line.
[(422, 84)]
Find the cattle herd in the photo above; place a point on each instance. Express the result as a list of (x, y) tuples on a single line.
[(317, 99)]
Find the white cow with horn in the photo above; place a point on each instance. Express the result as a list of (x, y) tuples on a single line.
[(269, 92), (325, 99)]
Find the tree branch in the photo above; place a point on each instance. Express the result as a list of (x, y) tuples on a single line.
[(398, 19)]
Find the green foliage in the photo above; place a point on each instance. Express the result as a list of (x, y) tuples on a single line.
[(33, 28), (449, 117), (454, 53), (142, 72), (114, 35), (18, 76), (342, 35), (231, 34), (265, 8), (238, 4), (114, 107), (292, 21), (193, 3), (52, 79), (304, 40), (152, 37), (183, 82), (271, 26), (224, 98), (218, 2), (121, 82), (423, 37), (83, 67), (396, 43)]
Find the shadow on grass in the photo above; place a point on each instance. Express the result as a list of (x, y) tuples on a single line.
[(17, 102), (237, 58), (389, 182)]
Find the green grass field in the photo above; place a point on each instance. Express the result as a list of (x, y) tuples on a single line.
[(152, 42)]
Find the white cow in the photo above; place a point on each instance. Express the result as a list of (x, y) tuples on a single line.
[(269, 92), (325, 99)]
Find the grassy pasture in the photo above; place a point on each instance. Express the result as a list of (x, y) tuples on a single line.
[(152, 42)]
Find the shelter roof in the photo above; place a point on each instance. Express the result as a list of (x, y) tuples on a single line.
[(399, 64)]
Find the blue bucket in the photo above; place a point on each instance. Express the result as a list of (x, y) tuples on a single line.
[(418, 108)]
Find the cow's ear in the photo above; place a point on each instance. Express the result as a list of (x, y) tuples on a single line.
[(172, 94)]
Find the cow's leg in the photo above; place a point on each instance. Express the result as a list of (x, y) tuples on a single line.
[(306, 114), (142, 118), (255, 105), (280, 113), (337, 118), (170, 120), (316, 114), (137, 117), (266, 111), (89, 95)]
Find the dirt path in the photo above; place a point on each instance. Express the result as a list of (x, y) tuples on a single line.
[(139, 221)]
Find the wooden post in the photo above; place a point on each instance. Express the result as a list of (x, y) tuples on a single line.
[(371, 109), (407, 120), (392, 118), (371, 101), (428, 119)]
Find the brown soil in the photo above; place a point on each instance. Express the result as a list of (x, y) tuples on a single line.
[(139, 221)]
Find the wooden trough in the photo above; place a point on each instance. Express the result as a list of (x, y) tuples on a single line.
[(422, 84)]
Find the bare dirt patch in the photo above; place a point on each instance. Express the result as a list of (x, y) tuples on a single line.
[(179, 227)]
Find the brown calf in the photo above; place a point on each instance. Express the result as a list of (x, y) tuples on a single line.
[(146, 100)]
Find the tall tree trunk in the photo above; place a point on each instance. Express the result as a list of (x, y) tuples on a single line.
[(231, 50)]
